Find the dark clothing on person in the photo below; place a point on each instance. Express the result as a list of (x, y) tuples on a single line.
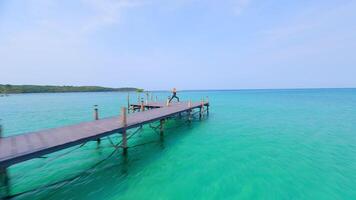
[(174, 97)]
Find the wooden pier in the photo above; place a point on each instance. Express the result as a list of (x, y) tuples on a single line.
[(20, 148)]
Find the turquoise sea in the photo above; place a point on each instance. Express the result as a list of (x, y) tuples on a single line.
[(255, 144)]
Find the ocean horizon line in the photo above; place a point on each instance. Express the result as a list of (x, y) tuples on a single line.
[(200, 90), (253, 89)]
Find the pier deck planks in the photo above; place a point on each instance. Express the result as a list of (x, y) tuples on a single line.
[(19, 148)]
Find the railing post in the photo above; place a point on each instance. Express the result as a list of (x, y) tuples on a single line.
[(167, 102), (156, 98), (147, 97), (142, 106), (96, 117), (124, 136), (96, 113)]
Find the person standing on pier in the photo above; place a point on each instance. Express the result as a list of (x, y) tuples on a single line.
[(174, 91)]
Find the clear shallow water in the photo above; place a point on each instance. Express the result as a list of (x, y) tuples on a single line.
[(255, 144)]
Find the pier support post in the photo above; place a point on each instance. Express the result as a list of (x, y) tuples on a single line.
[(207, 106), (161, 127), (1, 131), (124, 136), (96, 117), (4, 183), (189, 116), (4, 178), (201, 109), (190, 110), (128, 102)]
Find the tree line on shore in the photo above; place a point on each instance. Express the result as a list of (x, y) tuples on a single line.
[(15, 89)]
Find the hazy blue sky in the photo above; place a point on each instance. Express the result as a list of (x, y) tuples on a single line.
[(188, 44)]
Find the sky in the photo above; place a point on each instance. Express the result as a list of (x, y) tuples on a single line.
[(187, 44)]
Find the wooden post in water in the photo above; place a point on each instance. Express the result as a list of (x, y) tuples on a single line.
[(156, 98), (96, 117), (1, 134), (190, 110), (202, 105), (161, 127), (4, 177), (4, 183), (201, 109), (124, 136), (207, 106)]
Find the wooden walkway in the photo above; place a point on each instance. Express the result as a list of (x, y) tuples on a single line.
[(19, 148)]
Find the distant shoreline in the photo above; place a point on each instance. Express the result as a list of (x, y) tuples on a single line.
[(24, 89)]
